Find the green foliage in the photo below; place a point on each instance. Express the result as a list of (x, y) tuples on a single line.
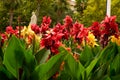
[(86, 55), (56, 9), (94, 63), (42, 55), (20, 63), (5, 74), (95, 11), (14, 56), (89, 11), (73, 68), (46, 70)]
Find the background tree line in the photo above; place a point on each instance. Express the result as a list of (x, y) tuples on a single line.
[(18, 12)]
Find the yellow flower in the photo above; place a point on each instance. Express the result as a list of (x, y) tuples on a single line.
[(29, 31), (28, 35), (38, 38), (23, 31), (91, 41), (116, 40)]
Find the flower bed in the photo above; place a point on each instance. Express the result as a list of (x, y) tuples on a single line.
[(68, 51)]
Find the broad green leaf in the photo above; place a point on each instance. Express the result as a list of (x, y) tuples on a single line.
[(29, 65), (91, 66), (64, 76), (29, 60), (103, 60), (115, 65), (108, 52), (73, 67), (100, 71), (42, 55), (86, 55), (96, 50), (14, 55), (5, 74), (106, 77), (46, 70)]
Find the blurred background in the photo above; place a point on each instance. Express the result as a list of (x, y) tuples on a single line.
[(19, 12)]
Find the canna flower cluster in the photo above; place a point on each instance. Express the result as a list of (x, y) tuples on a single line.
[(105, 29), (8, 32), (52, 38)]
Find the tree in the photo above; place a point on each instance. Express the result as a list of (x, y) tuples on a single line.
[(11, 5), (96, 11), (11, 10)]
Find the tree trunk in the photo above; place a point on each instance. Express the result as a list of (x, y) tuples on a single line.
[(11, 17), (38, 9)]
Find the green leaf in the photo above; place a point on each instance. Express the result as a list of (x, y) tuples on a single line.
[(42, 55), (1, 52), (115, 65), (73, 67), (1, 55), (106, 77), (96, 50), (116, 77), (86, 56), (91, 66), (64, 76), (5, 74), (46, 70), (108, 52), (29, 64), (29, 61), (14, 55)]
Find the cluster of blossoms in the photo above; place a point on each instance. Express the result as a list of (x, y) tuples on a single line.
[(9, 31), (102, 31), (52, 38)]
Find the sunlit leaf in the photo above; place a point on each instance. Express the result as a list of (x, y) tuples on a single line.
[(46, 70), (14, 55)]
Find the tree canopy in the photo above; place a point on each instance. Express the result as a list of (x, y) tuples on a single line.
[(86, 11)]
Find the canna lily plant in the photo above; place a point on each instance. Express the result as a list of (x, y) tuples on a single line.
[(67, 51)]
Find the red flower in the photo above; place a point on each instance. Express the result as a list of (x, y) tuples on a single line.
[(82, 34), (60, 30), (54, 48), (76, 28), (68, 20), (79, 33), (44, 28), (9, 30), (95, 29), (46, 41), (52, 41), (35, 28), (3, 38), (68, 23), (45, 24), (109, 28), (46, 20), (17, 27)]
